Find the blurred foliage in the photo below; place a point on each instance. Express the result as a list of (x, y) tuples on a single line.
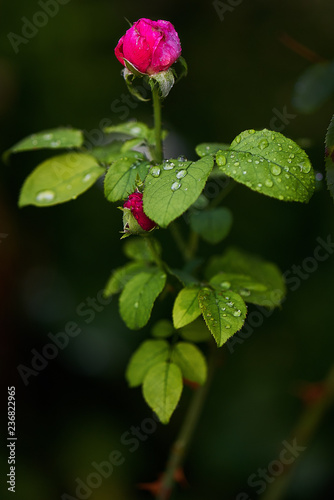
[(53, 260)]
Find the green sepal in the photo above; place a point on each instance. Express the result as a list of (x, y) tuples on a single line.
[(165, 80)]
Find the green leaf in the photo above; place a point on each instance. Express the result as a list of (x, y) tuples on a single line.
[(131, 143), (186, 308), (191, 362), (138, 248), (131, 128), (196, 331), (314, 87), (109, 152), (121, 276), (162, 329), (150, 353), (269, 163), (162, 389), (210, 148), (170, 189), (329, 154), (223, 312), (120, 180), (212, 225), (54, 138), (59, 179), (138, 296), (258, 281)]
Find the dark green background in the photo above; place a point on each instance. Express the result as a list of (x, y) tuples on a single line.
[(76, 410)]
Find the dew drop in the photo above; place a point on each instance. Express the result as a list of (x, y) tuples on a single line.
[(281, 197), (87, 178), (250, 160), (244, 172), (221, 160), (135, 130), (251, 131), (276, 170), (230, 304), (136, 305), (181, 174), (168, 166), (269, 183), (175, 186), (259, 185), (263, 144), (47, 137), (183, 158), (236, 164), (305, 167), (225, 285), (257, 162), (237, 313), (46, 196), (55, 144), (224, 315), (238, 139), (228, 326), (155, 171), (292, 155)]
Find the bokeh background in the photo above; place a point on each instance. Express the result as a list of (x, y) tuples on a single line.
[(75, 411)]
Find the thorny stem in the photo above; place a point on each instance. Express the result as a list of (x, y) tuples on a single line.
[(179, 240), (158, 156), (180, 446), (302, 434), (159, 262)]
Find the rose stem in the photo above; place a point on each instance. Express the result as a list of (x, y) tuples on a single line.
[(302, 434), (158, 157), (180, 446)]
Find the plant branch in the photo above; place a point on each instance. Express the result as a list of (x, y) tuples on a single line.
[(180, 446), (303, 433), (158, 156)]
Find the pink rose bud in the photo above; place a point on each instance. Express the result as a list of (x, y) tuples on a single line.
[(150, 46), (134, 204)]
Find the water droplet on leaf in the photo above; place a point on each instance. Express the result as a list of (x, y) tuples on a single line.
[(269, 183), (87, 178), (276, 170), (155, 171), (46, 196), (221, 160), (263, 144), (181, 174), (175, 186)]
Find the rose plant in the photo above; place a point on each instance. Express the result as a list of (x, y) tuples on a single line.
[(209, 299)]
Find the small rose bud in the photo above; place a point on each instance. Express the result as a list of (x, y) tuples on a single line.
[(135, 221), (150, 46)]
